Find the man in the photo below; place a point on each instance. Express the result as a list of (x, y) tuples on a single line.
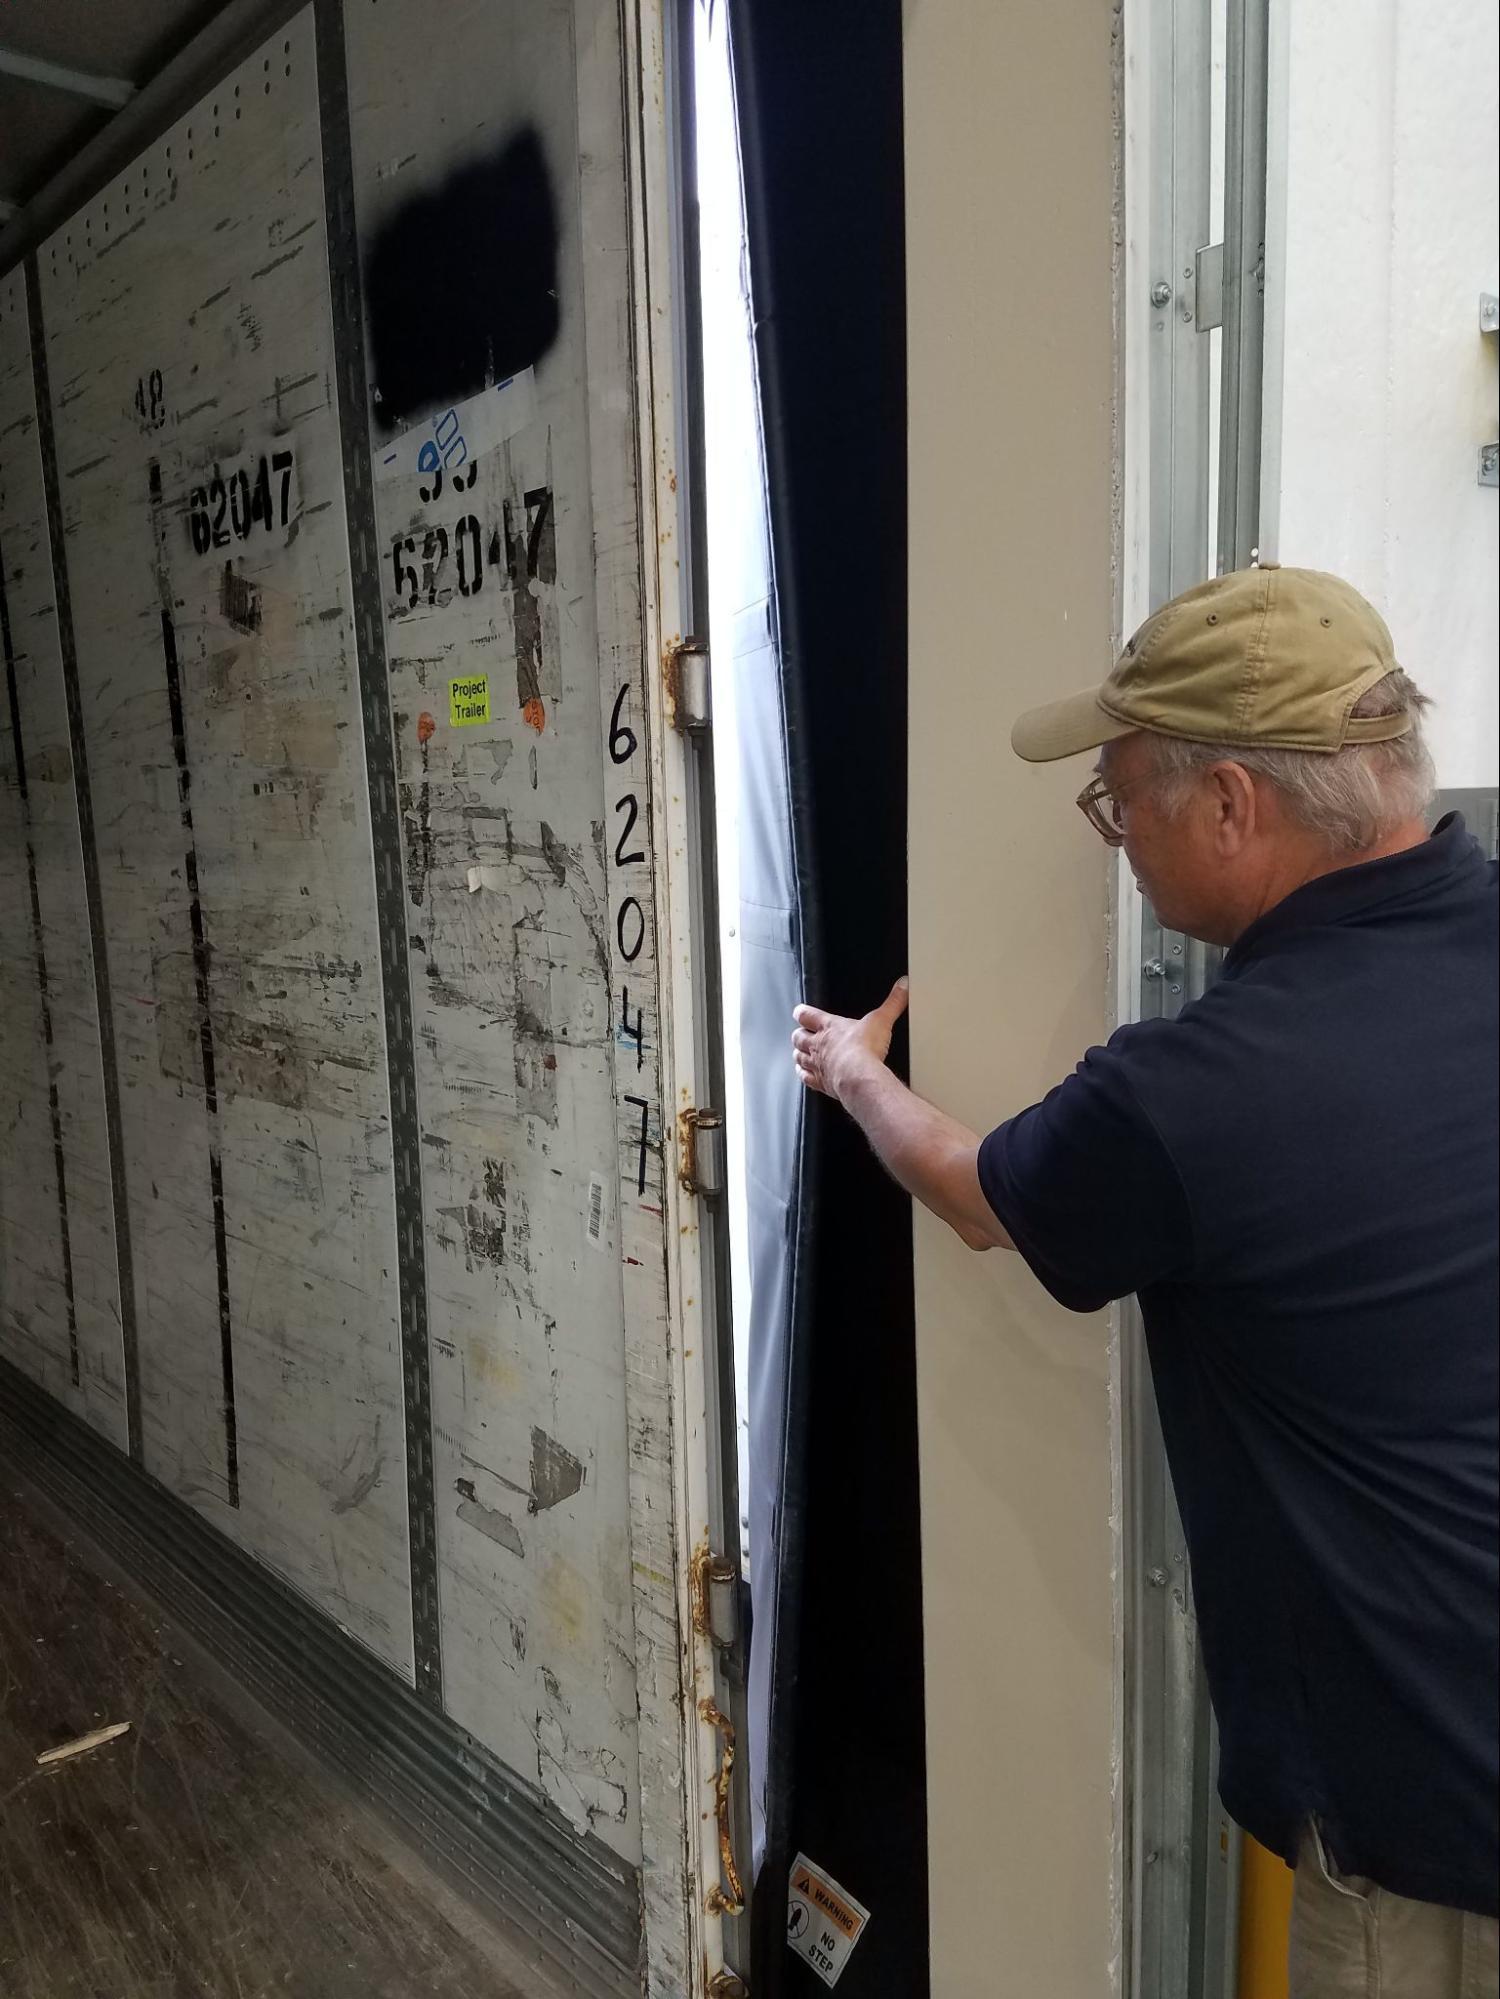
[(1298, 1177)]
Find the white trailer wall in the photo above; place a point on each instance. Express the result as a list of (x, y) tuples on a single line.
[(508, 904), (59, 1284), (1012, 158), (351, 802), (189, 342), (1382, 230)]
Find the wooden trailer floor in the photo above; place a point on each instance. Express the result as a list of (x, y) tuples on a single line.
[(201, 1853)]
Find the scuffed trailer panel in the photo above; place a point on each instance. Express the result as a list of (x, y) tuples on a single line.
[(353, 453), (60, 1317), (189, 352), (490, 197)]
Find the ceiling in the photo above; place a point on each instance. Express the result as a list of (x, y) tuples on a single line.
[(44, 122)]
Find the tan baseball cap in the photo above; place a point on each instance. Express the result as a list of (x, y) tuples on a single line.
[(1271, 656)]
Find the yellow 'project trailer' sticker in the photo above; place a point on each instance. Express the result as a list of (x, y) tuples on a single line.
[(823, 1920), (469, 700)]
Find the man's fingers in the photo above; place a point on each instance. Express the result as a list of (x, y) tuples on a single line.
[(811, 1017), (896, 1001)]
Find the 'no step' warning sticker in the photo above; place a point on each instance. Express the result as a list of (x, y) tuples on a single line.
[(823, 1921)]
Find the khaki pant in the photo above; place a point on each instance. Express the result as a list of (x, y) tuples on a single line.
[(1352, 1940)]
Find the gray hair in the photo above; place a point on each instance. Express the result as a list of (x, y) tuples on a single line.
[(1352, 797)]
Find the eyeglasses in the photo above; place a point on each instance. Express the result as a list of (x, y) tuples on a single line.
[(1099, 802)]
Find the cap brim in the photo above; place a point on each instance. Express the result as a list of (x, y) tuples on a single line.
[(1066, 729)]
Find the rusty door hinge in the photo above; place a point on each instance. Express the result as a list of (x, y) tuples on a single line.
[(714, 1589), (701, 1154), (727, 1985), (689, 707), (726, 1898)]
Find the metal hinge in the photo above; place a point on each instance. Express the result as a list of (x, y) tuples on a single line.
[(727, 1985), (726, 1897), (1489, 454), (714, 1589), (1208, 288), (701, 1153), (686, 670)]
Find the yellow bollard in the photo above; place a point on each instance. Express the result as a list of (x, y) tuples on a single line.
[(1265, 1922)]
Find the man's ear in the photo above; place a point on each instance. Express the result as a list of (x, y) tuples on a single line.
[(1235, 807)]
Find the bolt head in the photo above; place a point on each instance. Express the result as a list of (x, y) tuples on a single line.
[(1161, 292)]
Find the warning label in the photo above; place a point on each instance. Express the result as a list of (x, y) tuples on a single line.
[(469, 700), (823, 1921)]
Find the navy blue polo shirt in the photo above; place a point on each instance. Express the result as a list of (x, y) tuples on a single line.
[(1298, 1176)]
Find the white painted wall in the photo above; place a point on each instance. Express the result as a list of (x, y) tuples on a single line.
[(1381, 234)]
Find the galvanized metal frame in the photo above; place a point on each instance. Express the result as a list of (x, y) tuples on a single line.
[(1247, 58), (1160, 1665), (1182, 1850), (1179, 111)]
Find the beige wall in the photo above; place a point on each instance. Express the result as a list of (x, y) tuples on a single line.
[(1011, 194)]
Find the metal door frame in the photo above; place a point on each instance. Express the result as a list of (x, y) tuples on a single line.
[(659, 52), (1181, 1850)]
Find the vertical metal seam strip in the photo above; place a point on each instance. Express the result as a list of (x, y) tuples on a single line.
[(1242, 398), (385, 832), (200, 952), (39, 953), (78, 747)]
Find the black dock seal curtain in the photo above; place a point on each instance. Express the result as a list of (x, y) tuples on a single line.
[(818, 87)]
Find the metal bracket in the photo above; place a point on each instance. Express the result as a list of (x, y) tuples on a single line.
[(1208, 287), (714, 1589), (1489, 464), (727, 1985), (1489, 312), (689, 707), (702, 1153)]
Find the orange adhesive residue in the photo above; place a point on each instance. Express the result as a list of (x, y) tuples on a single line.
[(534, 714), (426, 727)]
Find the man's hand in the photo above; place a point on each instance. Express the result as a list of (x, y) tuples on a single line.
[(833, 1052), (932, 1156)]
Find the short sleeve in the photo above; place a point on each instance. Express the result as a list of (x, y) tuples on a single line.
[(1086, 1189)]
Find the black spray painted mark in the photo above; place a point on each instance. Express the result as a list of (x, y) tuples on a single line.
[(531, 558), (239, 601), (200, 976), (461, 283), (39, 951)]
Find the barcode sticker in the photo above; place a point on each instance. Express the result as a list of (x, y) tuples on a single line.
[(596, 1212)]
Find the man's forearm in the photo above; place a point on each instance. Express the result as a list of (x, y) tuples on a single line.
[(930, 1154)]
